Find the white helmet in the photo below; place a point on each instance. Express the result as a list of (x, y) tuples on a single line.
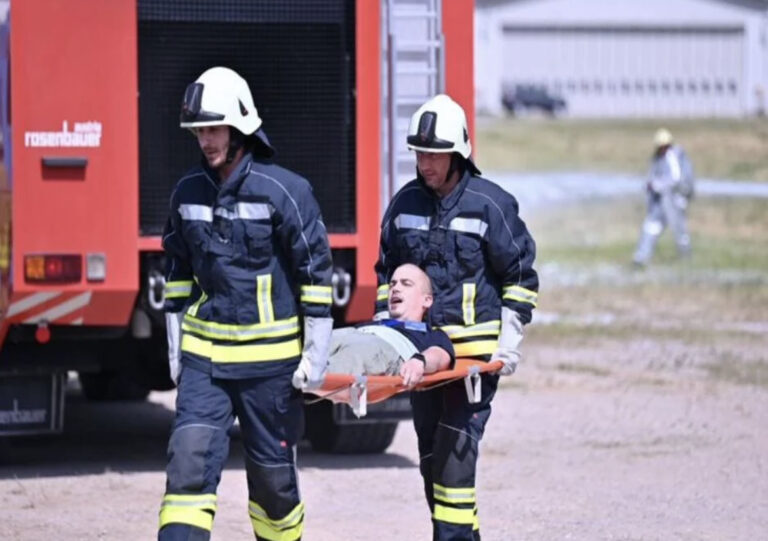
[(440, 126), (219, 97)]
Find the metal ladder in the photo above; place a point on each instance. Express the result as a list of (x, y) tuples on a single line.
[(415, 71)]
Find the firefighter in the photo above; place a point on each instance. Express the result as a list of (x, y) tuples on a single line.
[(248, 261), (465, 232), (669, 188)]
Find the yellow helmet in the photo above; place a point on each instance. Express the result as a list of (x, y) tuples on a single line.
[(662, 138)]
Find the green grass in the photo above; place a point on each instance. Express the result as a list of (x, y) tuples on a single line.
[(719, 148), (727, 234), (704, 315)]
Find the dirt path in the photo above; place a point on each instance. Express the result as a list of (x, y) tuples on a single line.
[(567, 455)]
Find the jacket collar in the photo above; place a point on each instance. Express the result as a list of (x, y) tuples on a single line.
[(242, 169), (450, 200)]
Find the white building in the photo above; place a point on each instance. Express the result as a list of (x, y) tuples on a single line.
[(626, 58)]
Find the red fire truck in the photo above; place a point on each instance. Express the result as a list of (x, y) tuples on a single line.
[(89, 104)]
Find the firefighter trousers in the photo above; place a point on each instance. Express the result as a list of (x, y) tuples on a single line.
[(270, 412), (449, 430), (664, 210)]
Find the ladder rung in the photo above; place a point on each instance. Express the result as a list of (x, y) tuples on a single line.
[(416, 71), (411, 100), (426, 44), (412, 13)]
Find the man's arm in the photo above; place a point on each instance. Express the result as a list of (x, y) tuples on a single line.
[(179, 285), (434, 359), (303, 235), (512, 252)]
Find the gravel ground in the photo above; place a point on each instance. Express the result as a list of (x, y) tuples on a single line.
[(586, 455)]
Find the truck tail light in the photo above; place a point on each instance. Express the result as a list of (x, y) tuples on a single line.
[(53, 269)]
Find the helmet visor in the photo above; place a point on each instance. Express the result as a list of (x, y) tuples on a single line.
[(191, 110), (425, 134)]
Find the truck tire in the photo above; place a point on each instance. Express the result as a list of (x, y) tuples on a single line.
[(327, 436), (108, 386)]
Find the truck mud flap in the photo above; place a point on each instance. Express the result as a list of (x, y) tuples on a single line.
[(31, 403)]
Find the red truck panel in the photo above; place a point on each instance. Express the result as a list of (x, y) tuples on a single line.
[(73, 95)]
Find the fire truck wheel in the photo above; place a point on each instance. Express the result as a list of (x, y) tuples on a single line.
[(327, 436), (106, 386)]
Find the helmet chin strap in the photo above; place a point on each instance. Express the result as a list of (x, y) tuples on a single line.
[(457, 165), (236, 142)]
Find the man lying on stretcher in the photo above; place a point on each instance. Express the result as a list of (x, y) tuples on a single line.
[(404, 344)]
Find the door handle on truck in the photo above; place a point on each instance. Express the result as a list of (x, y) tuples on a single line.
[(65, 161)]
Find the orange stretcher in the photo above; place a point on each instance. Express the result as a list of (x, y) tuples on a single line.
[(359, 391)]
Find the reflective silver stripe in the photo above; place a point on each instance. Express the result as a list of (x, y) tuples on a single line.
[(460, 331), (469, 225), (190, 500), (240, 333), (245, 211), (253, 211), (468, 303), (412, 221), (264, 298), (517, 293), (454, 495), (196, 212), (178, 289), (316, 294)]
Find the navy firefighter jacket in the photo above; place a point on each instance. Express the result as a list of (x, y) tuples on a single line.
[(476, 250), (245, 258)]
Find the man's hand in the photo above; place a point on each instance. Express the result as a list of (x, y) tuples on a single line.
[(510, 359), (305, 377), (412, 371)]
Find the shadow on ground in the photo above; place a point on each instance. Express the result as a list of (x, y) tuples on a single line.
[(132, 437)]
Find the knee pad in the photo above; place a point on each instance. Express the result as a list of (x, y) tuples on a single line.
[(196, 456)]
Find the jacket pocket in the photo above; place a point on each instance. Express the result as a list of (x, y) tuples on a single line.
[(411, 248), (258, 242), (469, 253)]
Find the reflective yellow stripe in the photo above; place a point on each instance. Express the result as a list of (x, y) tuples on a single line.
[(316, 294), (195, 510), (264, 298), (468, 303), (382, 293), (241, 354), (485, 328), (473, 349), (520, 294), (453, 515), (193, 309), (179, 288), (453, 495), (288, 528), (227, 331), (476, 524)]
